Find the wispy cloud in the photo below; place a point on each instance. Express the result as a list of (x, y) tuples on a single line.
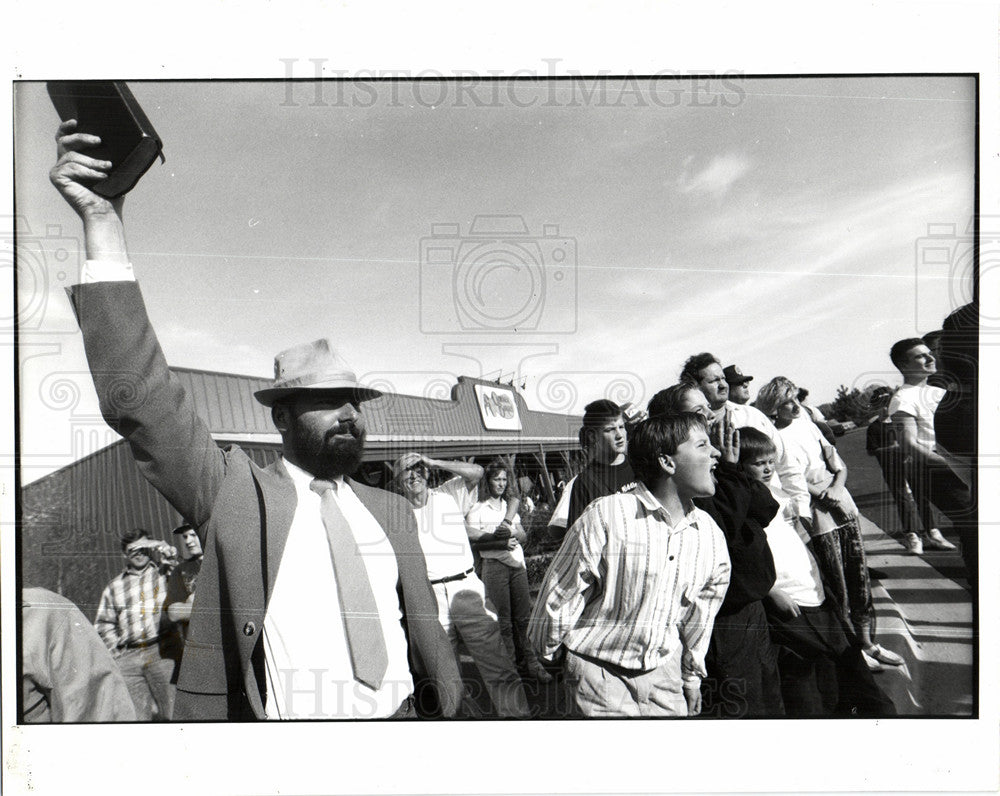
[(715, 179)]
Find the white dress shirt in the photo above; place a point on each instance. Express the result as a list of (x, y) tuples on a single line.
[(309, 673)]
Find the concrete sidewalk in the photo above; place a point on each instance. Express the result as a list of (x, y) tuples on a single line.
[(924, 614)]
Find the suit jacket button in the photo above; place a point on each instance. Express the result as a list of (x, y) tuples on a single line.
[(249, 629)]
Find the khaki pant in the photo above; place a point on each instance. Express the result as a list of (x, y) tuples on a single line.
[(601, 689)]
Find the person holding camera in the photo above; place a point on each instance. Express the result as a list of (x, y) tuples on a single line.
[(131, 623)]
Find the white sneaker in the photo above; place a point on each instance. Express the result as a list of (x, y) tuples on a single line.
[(873, 665), (879, 653), (913, 545), (936, 541)]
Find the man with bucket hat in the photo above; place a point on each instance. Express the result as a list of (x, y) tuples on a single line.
[(313, 600)]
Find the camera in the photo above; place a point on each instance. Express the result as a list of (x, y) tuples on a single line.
[(41, 262), (160, 553), (497, 278), (946, 260)]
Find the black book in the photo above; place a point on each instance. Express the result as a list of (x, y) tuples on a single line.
[(108, 109)]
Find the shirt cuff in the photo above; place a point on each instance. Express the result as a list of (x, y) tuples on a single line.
[(106, 271), (804, 507), (691, 679)]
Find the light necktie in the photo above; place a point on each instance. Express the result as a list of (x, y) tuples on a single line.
[(362, 624)]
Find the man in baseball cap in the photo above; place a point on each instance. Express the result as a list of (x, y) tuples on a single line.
[(739, 384)]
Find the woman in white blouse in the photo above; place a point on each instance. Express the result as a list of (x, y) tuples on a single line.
[(499, 543)]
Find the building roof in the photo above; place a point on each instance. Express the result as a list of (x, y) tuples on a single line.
[(395, 421)]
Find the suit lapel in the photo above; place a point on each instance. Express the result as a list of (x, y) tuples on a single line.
[(277, 496)]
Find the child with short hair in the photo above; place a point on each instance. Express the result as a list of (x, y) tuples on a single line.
[(822, 670), (632, 594)]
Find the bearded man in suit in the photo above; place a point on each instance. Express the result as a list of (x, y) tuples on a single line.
[(313, 600)]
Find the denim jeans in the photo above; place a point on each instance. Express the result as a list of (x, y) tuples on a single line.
[(507, 589), (894, 472), (147, 676)]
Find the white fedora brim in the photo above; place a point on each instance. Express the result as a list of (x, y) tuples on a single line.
[(272, 395)]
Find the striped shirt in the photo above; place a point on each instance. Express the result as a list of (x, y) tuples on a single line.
[(628, 585), (130, 608)]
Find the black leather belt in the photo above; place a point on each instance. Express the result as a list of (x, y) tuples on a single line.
[(140, 645), (459, 576)]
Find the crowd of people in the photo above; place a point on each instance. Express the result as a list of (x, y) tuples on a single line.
[(710, 559), (123, 667)]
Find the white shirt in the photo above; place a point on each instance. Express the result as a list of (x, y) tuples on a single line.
[(441, 523), (787, 475), (808, 448), (308, 666), (485, 517), (796, 572), (919, 401), (814, 413), (560, 514)]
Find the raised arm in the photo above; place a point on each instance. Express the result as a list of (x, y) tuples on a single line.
[(139, 397), (470, 472)]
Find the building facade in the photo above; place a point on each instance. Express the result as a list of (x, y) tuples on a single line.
[(71, 520)]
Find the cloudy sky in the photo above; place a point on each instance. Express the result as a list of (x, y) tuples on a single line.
[(778, 223)]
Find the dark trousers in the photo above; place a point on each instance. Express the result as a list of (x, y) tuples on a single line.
[(822, 671), (507, 589), (742, 663), (938, 485), (942, 487), (891, 461)]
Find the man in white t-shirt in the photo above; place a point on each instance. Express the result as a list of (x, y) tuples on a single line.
[(931, 478), (461, 596)]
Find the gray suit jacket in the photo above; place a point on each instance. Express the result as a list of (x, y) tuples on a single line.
[(243, 514)]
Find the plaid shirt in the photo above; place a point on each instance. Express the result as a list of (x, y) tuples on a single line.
[(628, 586), (131, 608)]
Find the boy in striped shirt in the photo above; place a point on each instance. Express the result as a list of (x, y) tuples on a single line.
[(632, 593)]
